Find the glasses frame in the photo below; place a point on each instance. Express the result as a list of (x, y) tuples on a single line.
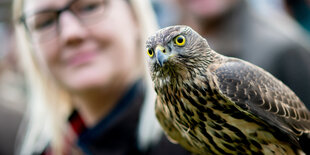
[(58, 12)]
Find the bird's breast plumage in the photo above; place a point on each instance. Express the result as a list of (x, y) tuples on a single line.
[(211, 123)]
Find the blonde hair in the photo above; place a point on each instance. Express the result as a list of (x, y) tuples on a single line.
[(50, 105)]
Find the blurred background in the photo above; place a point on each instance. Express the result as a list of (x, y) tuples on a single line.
[(290, 17), (12, 85), (298, 10)]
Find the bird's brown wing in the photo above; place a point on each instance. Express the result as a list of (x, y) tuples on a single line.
[(259, 93)]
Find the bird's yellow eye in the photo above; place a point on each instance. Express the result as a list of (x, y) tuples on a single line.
[(180, 40), (150, 52)]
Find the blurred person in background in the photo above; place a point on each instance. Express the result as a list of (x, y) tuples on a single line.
[(84, 64), (12, 84), (270, 40)]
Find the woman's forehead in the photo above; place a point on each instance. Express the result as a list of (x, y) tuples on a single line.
[(31, 6)]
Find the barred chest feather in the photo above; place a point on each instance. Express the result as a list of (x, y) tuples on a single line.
[(200, 119)]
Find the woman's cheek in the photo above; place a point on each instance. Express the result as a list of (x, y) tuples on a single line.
[(47, 56)]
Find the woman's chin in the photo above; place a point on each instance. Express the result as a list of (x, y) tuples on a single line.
[(87, 80), (83, 85)]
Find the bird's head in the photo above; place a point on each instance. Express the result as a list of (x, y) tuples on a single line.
[(175, 50)]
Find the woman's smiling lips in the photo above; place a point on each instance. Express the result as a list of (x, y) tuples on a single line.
[(81, 58)]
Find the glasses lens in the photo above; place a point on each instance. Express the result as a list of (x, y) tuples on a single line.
[(42, 25), (88, 10)]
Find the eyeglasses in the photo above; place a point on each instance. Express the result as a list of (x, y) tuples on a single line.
[(44, 24)]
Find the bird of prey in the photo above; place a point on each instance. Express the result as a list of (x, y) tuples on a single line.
[(213, 104)]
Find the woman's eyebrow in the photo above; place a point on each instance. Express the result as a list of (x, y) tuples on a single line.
[(50, 8)]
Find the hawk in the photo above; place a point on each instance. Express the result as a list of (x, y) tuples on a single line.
[(213, 104)]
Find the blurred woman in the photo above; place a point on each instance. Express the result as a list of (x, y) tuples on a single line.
[(83, 60)]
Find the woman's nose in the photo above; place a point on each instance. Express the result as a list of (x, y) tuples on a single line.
[(71, 30)]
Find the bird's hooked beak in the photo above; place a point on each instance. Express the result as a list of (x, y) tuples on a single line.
[(161, 55)]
